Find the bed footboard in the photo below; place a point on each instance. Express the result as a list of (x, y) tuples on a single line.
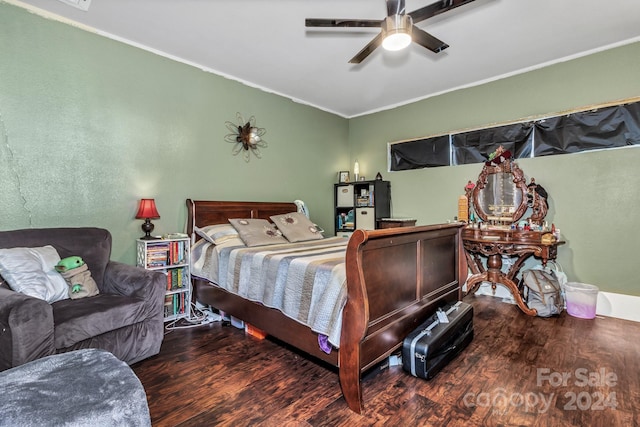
[(396, 278)]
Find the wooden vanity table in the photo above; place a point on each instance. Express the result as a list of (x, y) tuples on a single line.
[(494, 244), (498, 201)]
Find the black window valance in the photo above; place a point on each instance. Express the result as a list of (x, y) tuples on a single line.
[(609, 127), (475, 146), (602, 128), (421, 153)]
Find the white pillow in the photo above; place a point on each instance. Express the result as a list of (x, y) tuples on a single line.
[(31, 271), (218, 234)]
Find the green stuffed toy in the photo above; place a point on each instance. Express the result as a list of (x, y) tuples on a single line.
[(78, 277)]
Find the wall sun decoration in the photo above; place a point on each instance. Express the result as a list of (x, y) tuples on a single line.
[(246, 136)]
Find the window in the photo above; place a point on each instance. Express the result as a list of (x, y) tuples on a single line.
[(602, 128)]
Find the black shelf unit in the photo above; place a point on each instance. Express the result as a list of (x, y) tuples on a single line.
[(360, 204)]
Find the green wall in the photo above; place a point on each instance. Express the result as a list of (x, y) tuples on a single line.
[(88, 126), (594, 196)]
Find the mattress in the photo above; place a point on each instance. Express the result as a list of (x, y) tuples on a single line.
[(306, 280)]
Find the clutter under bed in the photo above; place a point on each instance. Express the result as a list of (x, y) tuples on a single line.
[(367, 298)]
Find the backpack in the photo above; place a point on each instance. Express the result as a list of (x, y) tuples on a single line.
[(542, 292)]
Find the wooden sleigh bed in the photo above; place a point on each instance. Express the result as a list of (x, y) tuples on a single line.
[(396, 278)]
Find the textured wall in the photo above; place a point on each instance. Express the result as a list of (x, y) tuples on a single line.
[(594, 196), (89, 125)]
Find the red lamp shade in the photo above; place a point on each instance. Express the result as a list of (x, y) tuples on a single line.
[(147, 211)]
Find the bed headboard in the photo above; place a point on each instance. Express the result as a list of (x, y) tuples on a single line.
[(205, 212)]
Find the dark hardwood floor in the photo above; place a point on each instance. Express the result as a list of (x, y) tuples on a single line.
[(518, 371)]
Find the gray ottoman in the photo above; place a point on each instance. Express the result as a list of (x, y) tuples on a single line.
[(81, 388)]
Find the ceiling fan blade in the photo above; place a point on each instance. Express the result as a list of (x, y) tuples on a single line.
[(366, 51), (436, 9), (395, 7), (427, 40), (319, 22)]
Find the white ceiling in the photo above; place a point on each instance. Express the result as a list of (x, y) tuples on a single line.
[(265, 44)]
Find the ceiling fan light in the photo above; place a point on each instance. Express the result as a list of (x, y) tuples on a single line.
[(396, 41), (396, 31)]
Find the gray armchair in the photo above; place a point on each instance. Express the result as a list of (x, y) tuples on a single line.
[(126, 318)]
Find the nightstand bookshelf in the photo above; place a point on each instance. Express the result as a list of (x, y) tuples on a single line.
[(172, 257)]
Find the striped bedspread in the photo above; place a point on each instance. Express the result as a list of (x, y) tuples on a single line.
[(306, 280)]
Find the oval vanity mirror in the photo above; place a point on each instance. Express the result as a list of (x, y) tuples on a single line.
[(500, 195)]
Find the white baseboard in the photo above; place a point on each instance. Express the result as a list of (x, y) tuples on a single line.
[(620, 306)]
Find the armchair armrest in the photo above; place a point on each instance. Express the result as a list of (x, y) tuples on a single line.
[(26, 329), (124, 279)]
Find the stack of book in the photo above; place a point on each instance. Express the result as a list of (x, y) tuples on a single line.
[(165, 253), (176, 279), (174, 304), (157, 254)]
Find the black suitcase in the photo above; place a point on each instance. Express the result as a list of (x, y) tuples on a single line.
[(427, 349)]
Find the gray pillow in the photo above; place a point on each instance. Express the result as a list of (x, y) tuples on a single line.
[(257, 232), (296, 227)]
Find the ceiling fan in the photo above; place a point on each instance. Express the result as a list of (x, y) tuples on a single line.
[(398, 28)]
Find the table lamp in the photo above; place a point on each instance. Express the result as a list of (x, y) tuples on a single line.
[(147, 211)]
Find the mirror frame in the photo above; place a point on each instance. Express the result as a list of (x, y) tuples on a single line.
[(507, 166)]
